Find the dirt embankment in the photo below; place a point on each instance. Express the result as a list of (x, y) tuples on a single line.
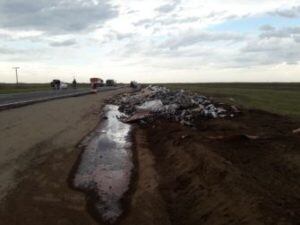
[(37, 151), (214, 175)]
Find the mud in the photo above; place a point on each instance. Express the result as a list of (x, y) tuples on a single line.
[(106, 165), (230, 180)]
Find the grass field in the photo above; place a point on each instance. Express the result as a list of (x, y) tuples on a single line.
[(13, 88), (280, 98)]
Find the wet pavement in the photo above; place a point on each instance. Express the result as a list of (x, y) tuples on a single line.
[(28, 96), (14, 100), (105, 167)]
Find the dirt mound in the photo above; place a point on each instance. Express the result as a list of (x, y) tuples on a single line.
[(234, 180)]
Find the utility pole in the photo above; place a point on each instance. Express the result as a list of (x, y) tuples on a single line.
[(17, 79)]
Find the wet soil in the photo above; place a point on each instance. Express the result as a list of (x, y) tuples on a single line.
[(106, 164), (218, 174)]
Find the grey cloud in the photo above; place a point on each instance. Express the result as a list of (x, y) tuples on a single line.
[(287, 32), (232, 17), (7, 51), (171, 21), (192, 38), (143, 22), (166, 21), (169, 7), (261, 46), (122, 36), (271, 51), (267, 28), (297, 38), (288, 13), (65, 43), (115, 35), (55, 16), (16, 52)]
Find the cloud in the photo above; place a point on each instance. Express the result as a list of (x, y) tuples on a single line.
[(66, 43), (166, 21), (270, 51), (297, 38), (55, 16), (293, 12), (168, 7), (7, 51), (196, 37), (14, 54), (267, 28), (286, 32), (113, 35)]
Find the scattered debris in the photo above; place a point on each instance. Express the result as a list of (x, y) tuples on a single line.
[(136, 117), (234, 137), (250, 137), (296, 131), (152, 106), (179, 106)]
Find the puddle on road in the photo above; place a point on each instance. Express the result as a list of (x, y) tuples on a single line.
[(105, 168)]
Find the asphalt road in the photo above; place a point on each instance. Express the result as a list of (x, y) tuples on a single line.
[(38, 149), (39, 96)]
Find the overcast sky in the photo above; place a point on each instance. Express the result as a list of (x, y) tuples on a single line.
[(150, 41)]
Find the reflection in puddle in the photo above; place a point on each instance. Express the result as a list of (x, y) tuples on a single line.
[(106, 164)]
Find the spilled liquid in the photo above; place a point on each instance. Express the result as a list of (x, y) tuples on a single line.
[(105, 166)]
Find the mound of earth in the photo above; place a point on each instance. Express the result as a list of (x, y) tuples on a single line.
[(244, 170)]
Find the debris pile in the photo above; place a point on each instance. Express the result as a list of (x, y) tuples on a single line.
[(155, 101)]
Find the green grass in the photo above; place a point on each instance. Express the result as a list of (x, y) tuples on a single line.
[(280, 98), (13, 88)]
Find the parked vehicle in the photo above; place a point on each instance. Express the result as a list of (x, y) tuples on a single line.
[(133, 84), (58, 85), (63, 85), (110, 82), (96, 83), (55, 84)]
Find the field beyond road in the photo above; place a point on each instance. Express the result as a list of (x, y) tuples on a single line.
[(280, 98)]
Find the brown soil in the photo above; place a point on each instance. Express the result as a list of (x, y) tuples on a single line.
[(216, 175)]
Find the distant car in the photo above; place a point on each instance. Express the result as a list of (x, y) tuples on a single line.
[(58, 85), (110, 83), (63, 86), (96, 83), (133, 84), (55, 84)]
